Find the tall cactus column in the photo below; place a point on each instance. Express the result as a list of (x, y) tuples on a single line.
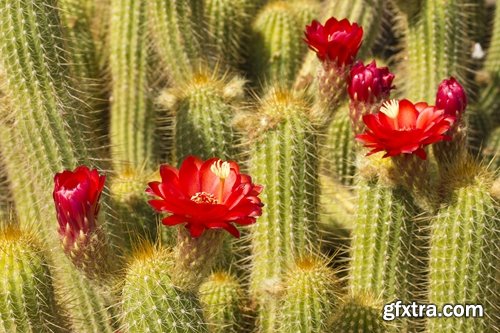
[(437, 46), (284, 159), (464, 263), (132, 124)]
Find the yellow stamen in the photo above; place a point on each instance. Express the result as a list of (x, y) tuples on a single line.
[(221, 170), (390, 108)]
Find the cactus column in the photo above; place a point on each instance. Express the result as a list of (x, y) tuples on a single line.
[(284, 159)]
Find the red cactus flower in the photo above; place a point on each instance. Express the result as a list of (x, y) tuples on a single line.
[(451, 98), (206, 195), (404, 128), (336, 41), (370, 83), (76, 196)]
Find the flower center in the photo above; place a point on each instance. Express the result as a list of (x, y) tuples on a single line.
[(221, 170), (390, 108), (204, 197)]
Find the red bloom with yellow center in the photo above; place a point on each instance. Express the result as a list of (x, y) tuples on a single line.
[(336, 41), (403, 128), (206, 195), (76, 196)]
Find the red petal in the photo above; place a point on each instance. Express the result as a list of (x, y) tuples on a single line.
[(189, 176), (408, 115), (173, 220)]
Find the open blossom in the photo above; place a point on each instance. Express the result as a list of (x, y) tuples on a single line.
[(208, 194), (369, 84), (451, 98), (76, 196), (403, 128), (336, 41)]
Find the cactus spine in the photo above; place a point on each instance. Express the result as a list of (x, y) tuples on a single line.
[(222, 300), (308, 298), (283, 159), (131, 110), (27, 298), (152, 303), (464, 253)]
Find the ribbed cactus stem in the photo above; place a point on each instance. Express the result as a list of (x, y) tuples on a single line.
[(278, 49), (437, 47), (359, 314), (150, 300), (339, 149), (195, 257), (27, 298), (284, 159), (308, 297), (204, 109), (84, 66), (222, 300), (174, 25), (384, 241), (464, 262), (132, 123), (37, 83), (226, 22), (134, 217)]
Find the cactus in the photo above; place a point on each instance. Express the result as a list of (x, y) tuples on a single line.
[(339, 152), (437, 47), (359, 314), (174, 34), (131, 106), (284, 159), (222, 298), (463, 251), (221, 88), (150, 300), (27, 297), (278, 50), (384, 253), (308, 298), (203, 111)]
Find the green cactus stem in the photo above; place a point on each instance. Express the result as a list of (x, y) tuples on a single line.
[(437, 47), (226, 22), (385, 240), (204, 109), (150, 300), (174, 25), (359, 314), (27, 298), (132, 128), (278, 51), (308, 297), (222, 300), (339, 152), (284, 145), (85, 68), (491, 151), (464, 251)]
